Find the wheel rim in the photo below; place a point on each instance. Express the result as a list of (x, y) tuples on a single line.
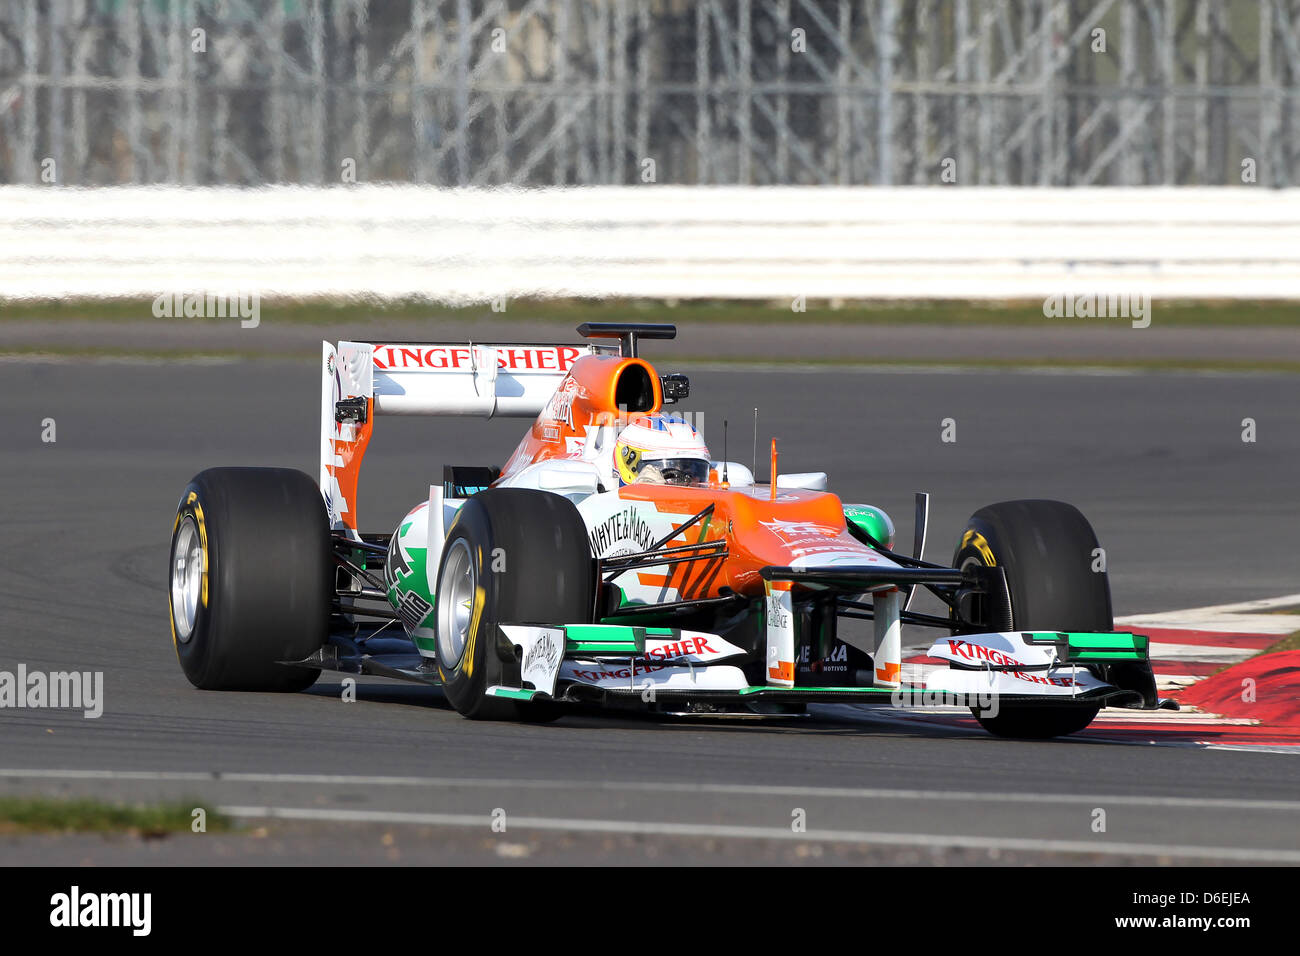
[(188, 560), (457, 586)]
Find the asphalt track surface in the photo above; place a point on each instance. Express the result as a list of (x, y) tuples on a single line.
[(1189, 514)]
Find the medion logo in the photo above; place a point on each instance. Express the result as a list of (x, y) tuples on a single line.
[(75, 909)]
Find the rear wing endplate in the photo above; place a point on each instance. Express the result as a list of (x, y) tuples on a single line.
[(361, 380)]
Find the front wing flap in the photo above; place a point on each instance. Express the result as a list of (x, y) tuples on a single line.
[(602, 663), (1048, 665)]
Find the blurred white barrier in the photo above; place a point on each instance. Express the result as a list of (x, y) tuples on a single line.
[(650, 241)]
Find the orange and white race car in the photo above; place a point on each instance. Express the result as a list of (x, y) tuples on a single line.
[(612, 562)]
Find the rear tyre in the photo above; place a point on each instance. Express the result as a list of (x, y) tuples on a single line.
[(512, 556), (251, 579), (1046, 549)]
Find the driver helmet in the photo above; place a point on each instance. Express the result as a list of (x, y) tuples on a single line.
[(661, 449)]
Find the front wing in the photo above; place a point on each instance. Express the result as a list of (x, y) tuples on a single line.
[(621, 666), (614, 664)]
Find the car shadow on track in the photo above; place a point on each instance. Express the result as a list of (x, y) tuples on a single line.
[(822, 720)]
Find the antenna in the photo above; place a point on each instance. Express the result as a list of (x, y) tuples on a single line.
[(754, 471), (773, 487), (724, 452)]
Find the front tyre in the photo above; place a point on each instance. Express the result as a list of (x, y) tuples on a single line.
[(251, 578), (1047, 551), (512, 556)]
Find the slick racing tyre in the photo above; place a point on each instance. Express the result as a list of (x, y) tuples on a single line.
[(251, 579), (512, 556), (1046, 550)]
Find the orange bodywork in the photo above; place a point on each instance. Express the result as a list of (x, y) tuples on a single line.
[(351, 454), (759, 532), (586, 397)]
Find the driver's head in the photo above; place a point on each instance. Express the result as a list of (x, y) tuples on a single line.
[(661, 449)]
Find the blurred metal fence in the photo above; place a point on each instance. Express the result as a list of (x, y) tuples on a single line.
[(547, 92)]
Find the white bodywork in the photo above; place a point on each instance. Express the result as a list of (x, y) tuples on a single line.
[(475, 380), (1041, 674), (647, 677), (541, 652)]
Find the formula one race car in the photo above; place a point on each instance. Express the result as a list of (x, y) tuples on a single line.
[(611, 562)]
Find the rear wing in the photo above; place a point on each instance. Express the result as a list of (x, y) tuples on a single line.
[(417, 378), (362, 380)]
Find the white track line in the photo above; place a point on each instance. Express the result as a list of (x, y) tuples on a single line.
[(1243, 607), (1244, 617), (1270, 624), (861, 837), (1200, 654), (1117, 716), (851, 793), (1176, 681)]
